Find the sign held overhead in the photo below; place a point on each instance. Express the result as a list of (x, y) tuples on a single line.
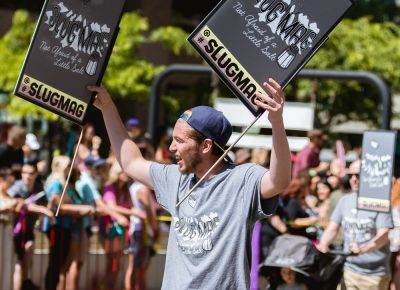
[(246, 41), (70, 49)]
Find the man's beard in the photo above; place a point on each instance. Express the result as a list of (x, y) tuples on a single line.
[(192, 164)]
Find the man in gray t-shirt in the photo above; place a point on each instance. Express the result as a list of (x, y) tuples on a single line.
[(209, 244), (365, 234)]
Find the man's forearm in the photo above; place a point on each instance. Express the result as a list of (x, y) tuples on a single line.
[(123, 147), (278, 224), (328, 236), (380, 240), (34, 208), (280, 166)]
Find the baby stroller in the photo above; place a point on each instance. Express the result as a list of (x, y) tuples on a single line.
[(315, 269)]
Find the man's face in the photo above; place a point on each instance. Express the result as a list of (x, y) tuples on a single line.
[(185, 148), (28, 174)]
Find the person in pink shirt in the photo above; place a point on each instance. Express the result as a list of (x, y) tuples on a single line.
[(308, 157), (117, 197)]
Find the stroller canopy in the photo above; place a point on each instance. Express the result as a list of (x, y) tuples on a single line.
[(292, 252), (300, 254)]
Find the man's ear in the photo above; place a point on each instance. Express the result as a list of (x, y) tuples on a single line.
[(206, 146)]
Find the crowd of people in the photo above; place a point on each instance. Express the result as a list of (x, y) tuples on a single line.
[(98, 193), (319, 203)]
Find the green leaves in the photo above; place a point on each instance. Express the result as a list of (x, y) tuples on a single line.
[(357, 45), (128, 75), (13, 47), (173, 38)]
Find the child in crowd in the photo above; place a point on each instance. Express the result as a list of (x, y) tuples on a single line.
[(290, 280)]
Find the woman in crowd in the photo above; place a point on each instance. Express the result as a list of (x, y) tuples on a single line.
[(295, 206), (59, 233), (321, 210), (79, 226), (324, 190), (117, 197), (143, 235)]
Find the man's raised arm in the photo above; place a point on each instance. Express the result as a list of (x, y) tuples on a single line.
[(127, 152), (278, 177)]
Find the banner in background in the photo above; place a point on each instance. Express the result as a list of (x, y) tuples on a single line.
[(375, 180)]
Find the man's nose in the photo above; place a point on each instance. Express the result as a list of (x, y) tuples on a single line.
[(172, 146)]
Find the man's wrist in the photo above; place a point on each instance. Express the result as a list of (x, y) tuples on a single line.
[(276, 121), (366, 248)]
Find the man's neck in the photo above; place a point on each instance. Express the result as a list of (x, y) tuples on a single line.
[(204, 167)]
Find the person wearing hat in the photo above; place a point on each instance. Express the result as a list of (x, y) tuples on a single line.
[(90, 183), (133, 127), (210, 237), (31, 148), (366, 233), (308, 157)]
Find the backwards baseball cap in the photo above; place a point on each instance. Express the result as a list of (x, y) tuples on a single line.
[(210, 123)]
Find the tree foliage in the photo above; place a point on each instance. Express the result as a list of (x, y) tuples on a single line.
[(13, 47), (359, 45)]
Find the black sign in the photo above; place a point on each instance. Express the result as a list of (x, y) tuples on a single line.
[(70, 49), (246, 41), (376, 170)]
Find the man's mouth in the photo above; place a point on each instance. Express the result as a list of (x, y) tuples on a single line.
[(178, 160)]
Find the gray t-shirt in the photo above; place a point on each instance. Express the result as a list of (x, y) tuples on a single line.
[(209, 244), (360, 226)]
